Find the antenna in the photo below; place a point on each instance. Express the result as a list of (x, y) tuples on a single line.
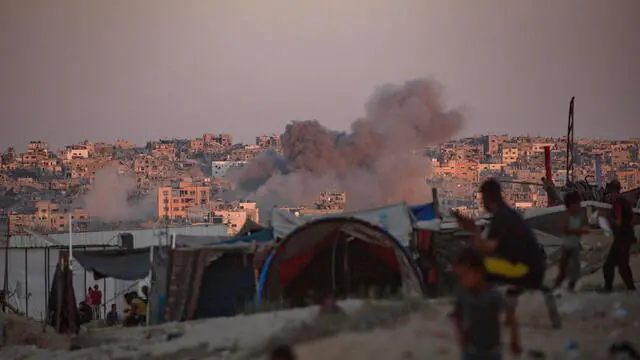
[(570, 149)]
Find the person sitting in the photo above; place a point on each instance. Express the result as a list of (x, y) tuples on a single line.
[(85, 312), (136, 310), (113, 318)]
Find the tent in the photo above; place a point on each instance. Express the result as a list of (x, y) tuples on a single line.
[(397, 220), (249, 227), (212, 278), (339, 255), (424, 212), (207, 282)]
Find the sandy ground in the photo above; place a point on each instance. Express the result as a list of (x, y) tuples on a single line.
[(372, 330)]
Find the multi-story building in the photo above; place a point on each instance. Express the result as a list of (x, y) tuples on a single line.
[(165, 149), (491, 143), (269, 141), (174, 202), (509, 153), (47, 217), (219, 168), (331, 200), (76, 152), (621, 155)]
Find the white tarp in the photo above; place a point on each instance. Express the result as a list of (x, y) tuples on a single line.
[(395, 219)]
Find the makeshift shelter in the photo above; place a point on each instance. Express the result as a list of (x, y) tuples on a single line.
[(548, 219), (337, 255), (396, 219), (62, 313), (249, 227), (208, 282), (213, 277), (121, 264)]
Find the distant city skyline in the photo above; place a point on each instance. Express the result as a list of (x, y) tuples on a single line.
[(152, 69), (21, 147)]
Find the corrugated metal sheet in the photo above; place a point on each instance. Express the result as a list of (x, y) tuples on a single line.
[(141, 237)]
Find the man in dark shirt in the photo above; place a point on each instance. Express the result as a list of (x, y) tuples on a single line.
[(621, 219), (512, 253)]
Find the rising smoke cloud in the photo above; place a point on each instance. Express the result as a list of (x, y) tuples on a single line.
[(108, 198), (378, 162)]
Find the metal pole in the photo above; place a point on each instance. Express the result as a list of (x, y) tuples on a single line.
[(26, 281), (70, 243), (148, 314), (46, 284), (6, 266)]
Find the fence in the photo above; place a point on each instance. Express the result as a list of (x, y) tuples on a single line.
[(31, 272)]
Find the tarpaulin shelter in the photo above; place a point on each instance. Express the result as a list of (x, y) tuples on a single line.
[(121, 264), (249, 227), (424, 211), (396, 219), (213, 279), (339, 255)]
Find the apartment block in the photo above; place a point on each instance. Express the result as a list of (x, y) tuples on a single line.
[(48, 217), (175, 201), (164, 149), (621, 155), (509, 153), (219, 168), (269, 141), (491, 143)]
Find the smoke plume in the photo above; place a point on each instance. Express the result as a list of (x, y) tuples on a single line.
[(379, 162), (109, 198)]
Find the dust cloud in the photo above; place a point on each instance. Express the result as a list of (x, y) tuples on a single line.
[(110, 198), (378, 162)]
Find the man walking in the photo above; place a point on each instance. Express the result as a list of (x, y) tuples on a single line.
[(512, 253), (621, 220)]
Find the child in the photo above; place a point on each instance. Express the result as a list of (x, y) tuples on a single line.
[(477, 311), (574, 225)]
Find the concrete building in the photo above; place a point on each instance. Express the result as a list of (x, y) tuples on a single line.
[(173, 202), (491, 143), (219, 168), (76, 152), (48, 217), (509, 153)]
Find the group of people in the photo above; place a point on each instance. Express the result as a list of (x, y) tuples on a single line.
[(89, 308), (509, 254), (134, 314)]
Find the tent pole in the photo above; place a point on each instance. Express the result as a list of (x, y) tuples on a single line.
[(347, 271), (70, 242), (148, 315), (333, 265)]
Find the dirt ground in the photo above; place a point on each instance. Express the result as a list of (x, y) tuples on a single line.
[(411, 330)]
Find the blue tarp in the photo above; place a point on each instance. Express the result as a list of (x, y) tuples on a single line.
[(424, 212), (261, 236)]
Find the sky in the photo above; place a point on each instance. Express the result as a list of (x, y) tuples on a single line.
[(148, 69)]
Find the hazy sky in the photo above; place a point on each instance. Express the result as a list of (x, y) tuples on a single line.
[(146, 69)]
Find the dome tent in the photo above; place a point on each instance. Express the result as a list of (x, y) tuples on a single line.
[(337, 255)]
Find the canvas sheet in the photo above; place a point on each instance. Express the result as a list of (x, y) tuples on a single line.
[(395, 219), (120, 264)]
